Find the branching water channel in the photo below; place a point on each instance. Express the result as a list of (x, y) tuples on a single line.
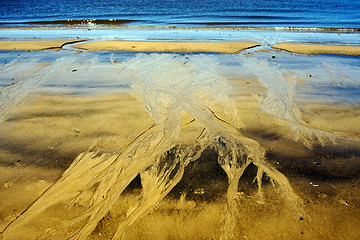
[(170, 85)]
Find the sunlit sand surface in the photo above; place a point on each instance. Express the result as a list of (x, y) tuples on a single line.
[(44, 136), (183, 147), (318, 49), (161, 46), (34, 45)]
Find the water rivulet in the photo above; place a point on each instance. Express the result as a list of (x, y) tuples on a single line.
[(171, 86)]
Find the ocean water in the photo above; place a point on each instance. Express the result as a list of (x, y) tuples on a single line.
[(203, 13)]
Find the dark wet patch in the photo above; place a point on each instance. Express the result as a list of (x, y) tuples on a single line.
[(56, 114), (35, 156), (322, 168), (322, 163), (203, 179)]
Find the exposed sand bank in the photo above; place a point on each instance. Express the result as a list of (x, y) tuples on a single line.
[(34, 45), (112, 45), (168, 46), (220, 47), (311, 49)]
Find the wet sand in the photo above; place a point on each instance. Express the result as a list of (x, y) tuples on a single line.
[(46, 132)]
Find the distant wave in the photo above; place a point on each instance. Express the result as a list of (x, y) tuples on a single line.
[(69, 22), (123, 23), (242, 23)]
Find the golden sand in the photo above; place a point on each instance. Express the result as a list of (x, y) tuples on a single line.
[(112, 45), (145, 46), (46, 133), (34, 45), (311, 49), (220, 47)]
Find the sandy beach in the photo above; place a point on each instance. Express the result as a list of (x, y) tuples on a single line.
[(318, 49), (47, 130), (219, 47), (177, 47), (34, 45)]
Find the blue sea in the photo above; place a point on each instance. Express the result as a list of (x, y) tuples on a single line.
[(293, 14)]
